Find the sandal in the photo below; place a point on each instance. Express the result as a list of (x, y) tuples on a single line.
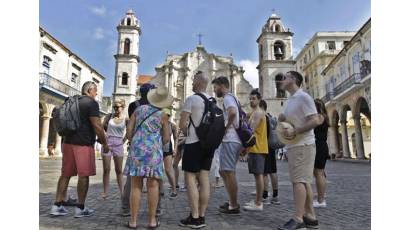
[(154, 227), (129, 226)]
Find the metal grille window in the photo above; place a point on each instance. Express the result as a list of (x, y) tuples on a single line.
[(46, 64), (331, 45)]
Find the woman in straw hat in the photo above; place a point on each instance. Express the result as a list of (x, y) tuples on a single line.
[(147, 131), (114, 125)]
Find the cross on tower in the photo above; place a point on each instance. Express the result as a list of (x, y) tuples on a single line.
[(200, 38)]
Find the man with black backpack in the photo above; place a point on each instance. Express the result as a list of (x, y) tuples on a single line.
[(231, 145), (79, 122), (197, 158)]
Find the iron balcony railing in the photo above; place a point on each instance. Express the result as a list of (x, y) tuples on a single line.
[(49, 81), (346, 84), (327, 97)]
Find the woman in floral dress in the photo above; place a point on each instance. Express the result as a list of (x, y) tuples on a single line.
[(147, 131)]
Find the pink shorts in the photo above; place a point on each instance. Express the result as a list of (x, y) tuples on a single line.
[(116, 147), (78, 159)]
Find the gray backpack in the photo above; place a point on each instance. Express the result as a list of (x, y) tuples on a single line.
[(274, 142), (67, 116)]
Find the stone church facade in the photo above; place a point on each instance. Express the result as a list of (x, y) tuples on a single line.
[(177, 73)]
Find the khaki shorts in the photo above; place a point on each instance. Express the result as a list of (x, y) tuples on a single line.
[(301, 160)]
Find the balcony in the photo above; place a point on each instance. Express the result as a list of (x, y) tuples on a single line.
[(57, 86), (365, 68), (352, 81), (328, 97)]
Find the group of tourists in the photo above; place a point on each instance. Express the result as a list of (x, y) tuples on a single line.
[(156, 146)]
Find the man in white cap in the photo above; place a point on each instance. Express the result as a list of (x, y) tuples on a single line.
[(300, 112)]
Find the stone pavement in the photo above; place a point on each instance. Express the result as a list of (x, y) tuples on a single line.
[(348, 200)]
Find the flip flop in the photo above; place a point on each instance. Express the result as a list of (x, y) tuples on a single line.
[(129, 226), (154, 227)]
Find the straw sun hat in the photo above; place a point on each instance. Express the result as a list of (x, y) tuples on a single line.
[(160, 97), (280, 130)]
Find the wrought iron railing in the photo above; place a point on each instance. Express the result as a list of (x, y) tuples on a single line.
[(327, 97), (365, 68), (49, 81), (352, 80)]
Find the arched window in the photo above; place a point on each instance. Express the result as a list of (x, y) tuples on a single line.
[(279, 50), (277, 28), (124, 79), (280, 93), (128, 21), (127, 46)]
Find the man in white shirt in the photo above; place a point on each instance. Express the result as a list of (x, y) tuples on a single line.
[(231, 145), (301, 112), (196, 162)]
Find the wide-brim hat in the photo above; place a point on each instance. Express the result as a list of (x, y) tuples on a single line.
[(160, 97), (280, 130)]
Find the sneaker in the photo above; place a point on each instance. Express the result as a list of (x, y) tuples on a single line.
[(58, 211), (292, 225), (159, 212), (316, 204), (71, 201), (250, 203), (125, 212), (253, 193), (83, 212), (182, 189), (219, 185), (275, 200), (312, 224), (173, 195), (224, 206), (253, 207), (192, 222), (202, 221), (233, 211)]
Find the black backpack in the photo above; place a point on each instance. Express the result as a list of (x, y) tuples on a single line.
[(211, 130), (67, 116)]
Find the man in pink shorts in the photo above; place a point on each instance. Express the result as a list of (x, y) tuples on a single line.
[(78, 153)]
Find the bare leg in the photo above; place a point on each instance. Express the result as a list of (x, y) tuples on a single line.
[(193, 196), (153, 196), (106, 175), (118, 172), (135, 197), (259, 188), (204, 191), (299, 196), (62, 188), (274, 181), (310, 212), (320, 184), (169, 172), (265, 182), (231, 185), (175, 163), (82, 188)]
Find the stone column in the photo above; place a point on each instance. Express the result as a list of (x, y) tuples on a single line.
[(332, 141), (359, 138), (57, 150), (345, 139), (44, 134)]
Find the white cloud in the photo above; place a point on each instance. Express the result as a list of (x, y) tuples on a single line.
[(251, 73), (98, 33), (100, 11)]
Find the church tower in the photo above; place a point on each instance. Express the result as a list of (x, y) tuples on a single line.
[(275, 58), (127, 58)]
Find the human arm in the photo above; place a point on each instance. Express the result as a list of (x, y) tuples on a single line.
[(256, 118), (130, 127), (183, 122), (231, 117), (96, 123), (166, 132)]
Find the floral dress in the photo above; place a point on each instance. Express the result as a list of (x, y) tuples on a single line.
[(145, 158)]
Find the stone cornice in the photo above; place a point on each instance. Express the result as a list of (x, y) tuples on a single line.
[(127, 56), (273, 33), (129, 28)]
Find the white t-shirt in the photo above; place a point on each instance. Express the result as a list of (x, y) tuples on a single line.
[(298, 107), (194, 105), (231, 135)]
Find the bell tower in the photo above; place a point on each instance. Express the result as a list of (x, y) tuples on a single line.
[(275, 58), (127, 58)]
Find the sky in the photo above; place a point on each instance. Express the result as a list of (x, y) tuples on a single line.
[(88, 27)]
